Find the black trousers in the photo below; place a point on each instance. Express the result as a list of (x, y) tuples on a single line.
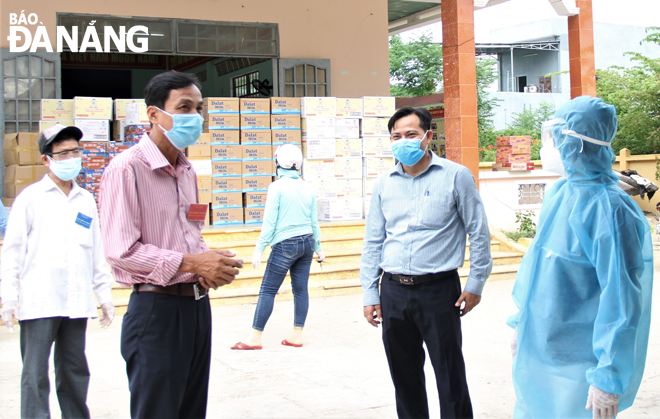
[(71, 371), (166, 343), (418, 314)]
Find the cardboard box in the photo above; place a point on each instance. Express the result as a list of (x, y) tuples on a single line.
[(515, 149), (254, 199), (226, 168), (92, 108), (226, 184), (340, 209), (375, 166), (215, 105), (513, 167), (136, 129), (280, 137), (227, 200), (255, 137), (347, 128), (286, 122), (250, 105), (44, 125), (314, 128), (8, 202), (349, 188), (256, 183), (367, 205), (318, 106), (348, 148), (349, 108), (513, 158), (285, 105), (116, 147), (94, 162), (202, 166), (255, 121), (258, 168), (318, 169), (90, 175), (21, 148), (376, 147), (18, 178), (227, 216), (199, 151), (120, 109), (224, 136), (374, 127), (117, 130), (254, 215), (257, 152), (56, 109), (378, 106), (514, 140), (348, 168), (204, 188), (368, 185), (136, 113), (95, 148), (221, 121), (324, 188), (204, 139), (226, 152), (319, 149), (94, 129)]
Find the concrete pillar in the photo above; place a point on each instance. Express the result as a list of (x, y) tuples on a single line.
[(460, 84), (581, 51)]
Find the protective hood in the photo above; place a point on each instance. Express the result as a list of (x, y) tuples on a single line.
[(585, 161)]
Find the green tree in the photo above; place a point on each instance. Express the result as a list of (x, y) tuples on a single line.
[(415, 66), (486, 76), (635, 93)]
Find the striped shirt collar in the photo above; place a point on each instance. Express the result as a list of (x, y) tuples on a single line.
[(435, 161), (155, 158)]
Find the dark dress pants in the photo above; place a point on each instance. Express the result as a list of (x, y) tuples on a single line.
[(418, 314), (166, 343), (71, 371)]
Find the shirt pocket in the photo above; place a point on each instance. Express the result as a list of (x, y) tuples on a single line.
[(83, 236), (436, 211)]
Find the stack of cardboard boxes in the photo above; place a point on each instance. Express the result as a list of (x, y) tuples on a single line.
[(514, 153), (23, 163), (376, 149)]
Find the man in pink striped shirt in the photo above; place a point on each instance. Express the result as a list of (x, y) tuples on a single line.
[(152, 239)]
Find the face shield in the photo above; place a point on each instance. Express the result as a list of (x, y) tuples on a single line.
[(553, 135)]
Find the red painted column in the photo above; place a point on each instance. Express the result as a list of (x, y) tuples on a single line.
[(581, 51), (460, 84)]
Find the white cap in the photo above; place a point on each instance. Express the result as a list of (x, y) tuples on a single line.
[(289, 156)]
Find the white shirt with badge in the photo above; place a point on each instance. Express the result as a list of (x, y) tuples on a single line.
[(52, 255)]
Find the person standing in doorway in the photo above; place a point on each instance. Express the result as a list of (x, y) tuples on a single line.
[(421, 211), (152, 221), (291, 228), (52, 265)]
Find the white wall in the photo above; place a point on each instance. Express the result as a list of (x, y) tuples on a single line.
[(499, 193)]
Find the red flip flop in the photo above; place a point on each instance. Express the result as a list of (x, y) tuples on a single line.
[(295, 345), (243, 347)]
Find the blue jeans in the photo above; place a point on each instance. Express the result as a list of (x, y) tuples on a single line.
[(294, 255)]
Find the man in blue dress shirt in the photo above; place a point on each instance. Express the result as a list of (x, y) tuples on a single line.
[(421, 211)]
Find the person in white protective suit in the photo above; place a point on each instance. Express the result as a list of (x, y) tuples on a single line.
[(584, 286), (291, 228)]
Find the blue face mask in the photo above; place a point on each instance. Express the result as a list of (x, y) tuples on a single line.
[(408, 150), (66, 169), (186, 129)]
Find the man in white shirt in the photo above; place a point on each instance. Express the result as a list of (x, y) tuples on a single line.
[(52, 265)]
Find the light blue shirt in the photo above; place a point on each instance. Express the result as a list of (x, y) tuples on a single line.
[(3, 218), (290, 211), (418, 225)]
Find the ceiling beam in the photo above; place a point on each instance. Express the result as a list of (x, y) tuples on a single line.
[(565, 7)]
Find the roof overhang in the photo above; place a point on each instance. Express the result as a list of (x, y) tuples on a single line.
[(565, 7), (407, 15)]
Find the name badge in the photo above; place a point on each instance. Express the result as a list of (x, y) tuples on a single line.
[(83, 220), (197, 212)]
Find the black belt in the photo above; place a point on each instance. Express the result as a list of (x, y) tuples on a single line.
[(185, 290), (420, 279)]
